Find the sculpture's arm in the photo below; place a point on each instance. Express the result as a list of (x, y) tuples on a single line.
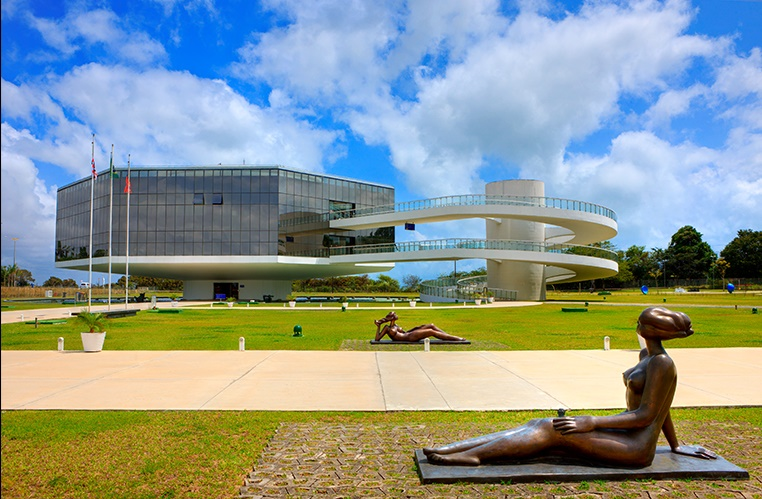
[(669, 432), (380, 333), (661, 378), (668, 428)]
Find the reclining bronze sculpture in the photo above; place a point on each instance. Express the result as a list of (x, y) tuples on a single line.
[(396, 333), (627, 439)]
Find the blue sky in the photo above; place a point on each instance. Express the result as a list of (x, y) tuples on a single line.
[(653, 109)]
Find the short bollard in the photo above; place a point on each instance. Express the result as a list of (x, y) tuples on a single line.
[(241, 344), (22, 317), (60, 344), (297, 331), (606, 343), (426, 345)]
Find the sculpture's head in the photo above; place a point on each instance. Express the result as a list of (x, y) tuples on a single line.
[(661, 324), (392, 316)]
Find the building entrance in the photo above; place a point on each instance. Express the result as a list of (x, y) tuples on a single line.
[(225, 290)]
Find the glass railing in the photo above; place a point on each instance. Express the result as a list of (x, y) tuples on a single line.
[(459, 243), (465, 289), (462, 200)]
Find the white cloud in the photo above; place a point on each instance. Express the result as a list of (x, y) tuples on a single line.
[(28, 205), (102, 28), (656, 187)]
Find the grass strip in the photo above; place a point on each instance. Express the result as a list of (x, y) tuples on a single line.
[(200, 454)]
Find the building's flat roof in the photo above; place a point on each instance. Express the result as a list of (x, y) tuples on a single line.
[(228, 167)]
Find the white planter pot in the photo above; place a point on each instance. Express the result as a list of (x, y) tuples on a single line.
[(478, 301), (93, 342), (292, 304), (230, 304), (491, 299), (174, 303), (412, 303)]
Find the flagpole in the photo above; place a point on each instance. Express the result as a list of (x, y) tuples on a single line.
[(92, 196), (128, 190), (110, 219)]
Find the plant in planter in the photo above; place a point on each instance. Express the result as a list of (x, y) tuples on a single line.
[(231, 302), (490, 296), (478, 298), (291, 300), (344, 303), (92, 340)]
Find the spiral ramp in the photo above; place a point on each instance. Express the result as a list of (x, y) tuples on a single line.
[(531, 239)]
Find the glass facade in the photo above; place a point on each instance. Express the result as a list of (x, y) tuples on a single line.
[(212, 211)]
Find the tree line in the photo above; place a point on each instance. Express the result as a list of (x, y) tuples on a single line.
[(688, 256)]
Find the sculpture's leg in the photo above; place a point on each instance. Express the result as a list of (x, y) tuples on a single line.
[(528, 440)]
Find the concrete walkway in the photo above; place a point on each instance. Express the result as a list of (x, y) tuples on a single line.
[(369, 381)]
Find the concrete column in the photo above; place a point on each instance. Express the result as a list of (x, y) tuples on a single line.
[(526, 278)]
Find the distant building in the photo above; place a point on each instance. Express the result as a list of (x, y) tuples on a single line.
[(218, 229)]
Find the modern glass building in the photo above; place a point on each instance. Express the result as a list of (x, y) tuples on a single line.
[(223, 230)]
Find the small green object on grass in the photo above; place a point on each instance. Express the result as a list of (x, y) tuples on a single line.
[(573, 310), (298, 331)]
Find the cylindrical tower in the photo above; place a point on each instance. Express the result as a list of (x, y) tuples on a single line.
[(526, 278)]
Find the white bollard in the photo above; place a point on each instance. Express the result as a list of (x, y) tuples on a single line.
[(426, 345), (357, 305), (211, 305), (241, 344), (430, 304), (22, 317), (60, 344), (392, 304), (606, 343)]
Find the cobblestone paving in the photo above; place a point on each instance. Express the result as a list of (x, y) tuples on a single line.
[(347, 461)]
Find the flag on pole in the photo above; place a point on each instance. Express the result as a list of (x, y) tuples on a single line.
[(95, 174), (127, 187), (111, 171)]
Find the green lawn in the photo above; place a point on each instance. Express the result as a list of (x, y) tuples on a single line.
[(539, 327)]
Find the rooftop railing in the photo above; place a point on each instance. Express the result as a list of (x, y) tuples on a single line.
[(462, 200)]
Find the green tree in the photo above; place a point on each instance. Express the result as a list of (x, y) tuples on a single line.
[(411, 283), (640, 263), (688, 256), (24, 277), (69, 283), (53, 282), (386, 284), (744, 254)]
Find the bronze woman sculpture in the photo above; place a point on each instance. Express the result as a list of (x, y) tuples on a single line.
[(396, 333), (627, 439)]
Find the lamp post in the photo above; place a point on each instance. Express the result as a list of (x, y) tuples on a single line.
[(14, 249)]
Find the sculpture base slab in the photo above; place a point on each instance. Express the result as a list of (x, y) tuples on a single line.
[(666, 466), (419, 342)]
